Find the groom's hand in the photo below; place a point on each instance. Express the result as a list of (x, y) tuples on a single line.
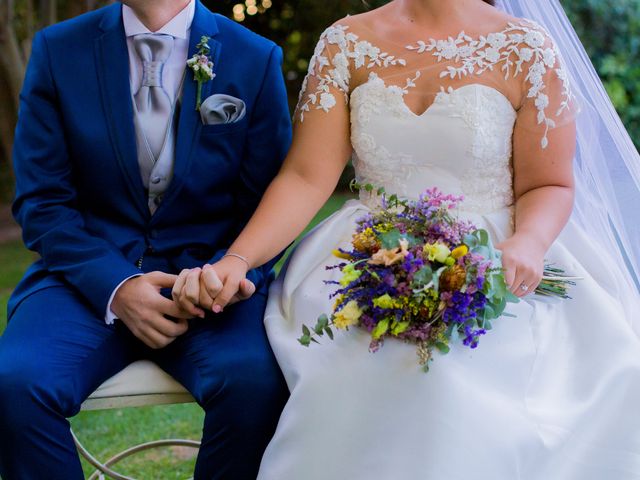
[(212, 287), (140, 306)]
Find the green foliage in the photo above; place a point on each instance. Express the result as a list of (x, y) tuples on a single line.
[(295, 25), (610, 31), (14, 260)]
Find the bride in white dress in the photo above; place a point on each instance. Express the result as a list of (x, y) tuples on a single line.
[(480, 107)]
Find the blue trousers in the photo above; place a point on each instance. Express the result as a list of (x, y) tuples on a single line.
[(55, 353)]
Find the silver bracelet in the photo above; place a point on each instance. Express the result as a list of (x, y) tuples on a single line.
[(244, 259)]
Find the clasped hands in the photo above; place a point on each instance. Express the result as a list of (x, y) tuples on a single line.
[(158, 321)]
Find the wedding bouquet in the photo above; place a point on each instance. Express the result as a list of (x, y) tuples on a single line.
[(417, 273)]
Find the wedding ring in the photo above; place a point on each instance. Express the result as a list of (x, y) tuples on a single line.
[(524, 287)]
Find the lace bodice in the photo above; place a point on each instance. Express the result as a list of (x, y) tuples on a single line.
[(473, 92)]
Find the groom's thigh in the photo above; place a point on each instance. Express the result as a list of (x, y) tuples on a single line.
[(229, 353), (56, 351), (226, 362)]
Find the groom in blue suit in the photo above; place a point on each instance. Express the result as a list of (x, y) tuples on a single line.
[(121, 184)]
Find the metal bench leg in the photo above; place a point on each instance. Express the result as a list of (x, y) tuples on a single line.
[(103, 469)]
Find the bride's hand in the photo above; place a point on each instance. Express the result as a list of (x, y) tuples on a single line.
[(523, 263), (201, 287), (228, 276)]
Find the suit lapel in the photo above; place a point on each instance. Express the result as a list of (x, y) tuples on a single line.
[(112, 60), (189, 123)]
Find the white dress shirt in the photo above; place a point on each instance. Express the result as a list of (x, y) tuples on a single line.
[(179, 27)]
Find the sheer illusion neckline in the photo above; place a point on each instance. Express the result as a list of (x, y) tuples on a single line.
[(443, 94), (519, 61)]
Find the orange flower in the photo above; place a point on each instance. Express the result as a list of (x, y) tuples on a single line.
[(388, 257)]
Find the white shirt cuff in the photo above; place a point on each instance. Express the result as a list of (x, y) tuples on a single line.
[(110, 317)]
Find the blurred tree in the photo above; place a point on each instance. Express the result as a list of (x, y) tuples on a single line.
[(19, 20), (295, 25), (610, 31)]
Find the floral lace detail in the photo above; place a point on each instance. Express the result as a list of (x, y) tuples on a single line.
[(510, 50), (334, 72), (488, 186), (376, 95), (376, 165)]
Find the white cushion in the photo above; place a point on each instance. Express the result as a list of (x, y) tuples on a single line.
[(140, 378)]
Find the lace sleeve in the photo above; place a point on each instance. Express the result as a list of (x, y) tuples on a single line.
[(547, 102), (328, 78), (339, 52)]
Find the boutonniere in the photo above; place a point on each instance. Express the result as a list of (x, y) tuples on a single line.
[(202, 67)]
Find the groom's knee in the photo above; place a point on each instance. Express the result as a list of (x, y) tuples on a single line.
[(27, 391), (252, 381)]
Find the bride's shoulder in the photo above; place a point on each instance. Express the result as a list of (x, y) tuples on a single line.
[(352, 25), (525, 30)]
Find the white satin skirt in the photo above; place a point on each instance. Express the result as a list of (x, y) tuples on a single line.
[(550, 394)]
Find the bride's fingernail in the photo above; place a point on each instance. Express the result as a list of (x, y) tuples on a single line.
[(217, 309)]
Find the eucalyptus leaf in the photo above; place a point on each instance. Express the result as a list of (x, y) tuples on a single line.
[(323, 320), (470, 241), (423, 276), (329, 332)]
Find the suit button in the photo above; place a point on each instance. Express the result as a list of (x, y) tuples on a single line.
[(154, 233)]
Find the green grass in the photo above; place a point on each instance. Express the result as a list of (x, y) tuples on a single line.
[(108, 432), (14, 260)]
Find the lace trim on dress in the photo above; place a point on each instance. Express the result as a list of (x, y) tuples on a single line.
[(509, 50), (334, 72)]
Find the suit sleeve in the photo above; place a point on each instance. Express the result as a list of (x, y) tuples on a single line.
[(268, 141), (46, 203)]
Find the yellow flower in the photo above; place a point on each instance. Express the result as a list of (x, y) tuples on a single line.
[(348, 316), (380, 329), (400, 327), (383, 227), (349, 274), (460, 252), (385, 301), (341, 254), (437, 251)]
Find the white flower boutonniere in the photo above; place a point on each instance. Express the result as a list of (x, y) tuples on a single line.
[(202, 67)]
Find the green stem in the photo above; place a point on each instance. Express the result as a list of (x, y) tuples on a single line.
[(199, 95)]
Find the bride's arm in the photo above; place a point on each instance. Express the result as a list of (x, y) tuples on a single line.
[(544, 192), (309, 175), (320, 149), (544, 142)]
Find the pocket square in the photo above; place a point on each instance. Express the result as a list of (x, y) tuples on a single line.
[(221, 108)]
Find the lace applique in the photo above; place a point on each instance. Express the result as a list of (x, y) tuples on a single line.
[(508, 50), (375, 95), (376, 165), (490, 118), (334, 72)]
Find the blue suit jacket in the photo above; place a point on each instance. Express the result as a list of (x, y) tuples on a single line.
[(79, 195)]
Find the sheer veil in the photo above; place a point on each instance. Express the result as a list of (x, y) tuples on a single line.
[(607, 162)]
